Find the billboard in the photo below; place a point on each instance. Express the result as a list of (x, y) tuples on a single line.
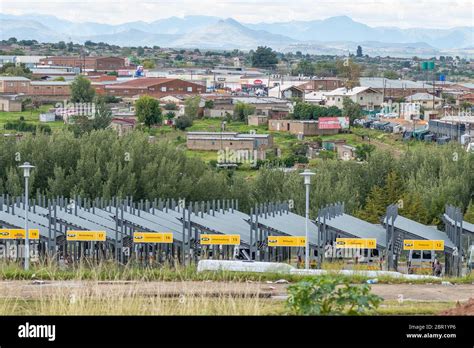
[(333, 123)]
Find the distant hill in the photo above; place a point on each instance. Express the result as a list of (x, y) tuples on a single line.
[(335, 34)]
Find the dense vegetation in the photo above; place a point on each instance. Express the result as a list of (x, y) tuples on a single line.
[(100, 163)]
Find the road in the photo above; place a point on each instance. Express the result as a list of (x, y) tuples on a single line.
[(29, 289)]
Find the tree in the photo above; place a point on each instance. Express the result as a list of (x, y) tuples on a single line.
[(264, 57), (359, 52), (375, 207), (305, 67), (351, 110), (414, 209), (184, 122), (391, 75), (350, 71), (103, 114), (363, 151), (140, 51), (82, 90), (149, 64), (59, 78), (209, 104), (242, 111), (469, 215), (191, 106), (148, 110), (11, 69)]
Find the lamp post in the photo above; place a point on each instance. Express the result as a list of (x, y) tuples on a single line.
[(307, 174), (26, 173)]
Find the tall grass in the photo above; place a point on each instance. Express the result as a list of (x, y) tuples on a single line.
[(131, 272)]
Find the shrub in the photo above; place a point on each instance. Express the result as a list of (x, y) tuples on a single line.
[(184, 122), (330, 296)]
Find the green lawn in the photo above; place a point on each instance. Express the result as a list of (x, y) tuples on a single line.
[(30, 116)]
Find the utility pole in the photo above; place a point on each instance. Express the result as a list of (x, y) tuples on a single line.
[(26, 173), (307, 174)]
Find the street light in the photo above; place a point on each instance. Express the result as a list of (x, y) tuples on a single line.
[(26, 173), (307, 174)]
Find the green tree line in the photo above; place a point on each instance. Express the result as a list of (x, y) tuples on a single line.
[(99, 163)]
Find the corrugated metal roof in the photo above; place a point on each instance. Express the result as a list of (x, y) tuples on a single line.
[(358, 228), (422, 231), (290, 224)]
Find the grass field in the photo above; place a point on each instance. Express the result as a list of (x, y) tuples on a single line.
[(31, 117), (108, 289)]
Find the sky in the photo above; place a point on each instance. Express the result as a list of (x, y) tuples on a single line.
[(397, 13)]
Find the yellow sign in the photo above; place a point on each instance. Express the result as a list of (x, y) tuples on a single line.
[(356, 243), (413, 244), (85, 236), (18, 234), (220, 239), (152, 237), (284, 241)]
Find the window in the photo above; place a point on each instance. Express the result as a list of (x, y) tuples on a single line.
[(171, 89), (361, 98), (10, 84), (338, 99), (152, 88), (163, 89), (23, 84), (189, 89)]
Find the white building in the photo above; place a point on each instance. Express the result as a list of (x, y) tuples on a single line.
[(368, 98)]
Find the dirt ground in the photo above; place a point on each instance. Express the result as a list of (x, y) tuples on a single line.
[(36, 289), (462, 309)]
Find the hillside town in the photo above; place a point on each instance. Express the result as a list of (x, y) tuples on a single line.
[(310, 99)]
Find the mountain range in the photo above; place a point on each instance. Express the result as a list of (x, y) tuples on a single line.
[(334, 35)]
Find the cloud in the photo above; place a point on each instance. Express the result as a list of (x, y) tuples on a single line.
[(399, 13)]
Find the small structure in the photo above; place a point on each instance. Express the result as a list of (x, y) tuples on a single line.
[(47, 117), (123, 126), (303, 127), (9, 103), (257, 120)]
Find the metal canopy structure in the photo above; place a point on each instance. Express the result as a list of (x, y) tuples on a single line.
[(276, 219), (335, 223), (400, 228), (416, 230)]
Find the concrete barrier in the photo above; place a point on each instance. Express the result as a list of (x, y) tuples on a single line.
[(275, 267)]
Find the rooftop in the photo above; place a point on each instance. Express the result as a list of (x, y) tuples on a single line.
[(13, 78)]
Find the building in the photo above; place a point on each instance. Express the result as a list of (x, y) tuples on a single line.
[(322, 84), (453, 127), (257, 120), (14, 84), (299, 127), (466, 98), (9, 103), (428, 101), (274, 108), (368, 98), (221, 108), (394, 89), (252, 144), (345, 152), (153, 86), (86, 63), (123, 126), (50, 88)]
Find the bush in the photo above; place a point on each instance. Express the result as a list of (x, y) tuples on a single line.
[(330, 296), (184, 122)]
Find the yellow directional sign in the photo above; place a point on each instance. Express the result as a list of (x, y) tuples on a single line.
[(284, 241), (413, 244), (220, 239), (85, 236), (356, 243), (152, 237), (18, 234)]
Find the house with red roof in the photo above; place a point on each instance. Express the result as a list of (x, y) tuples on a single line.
[(153, 86)]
